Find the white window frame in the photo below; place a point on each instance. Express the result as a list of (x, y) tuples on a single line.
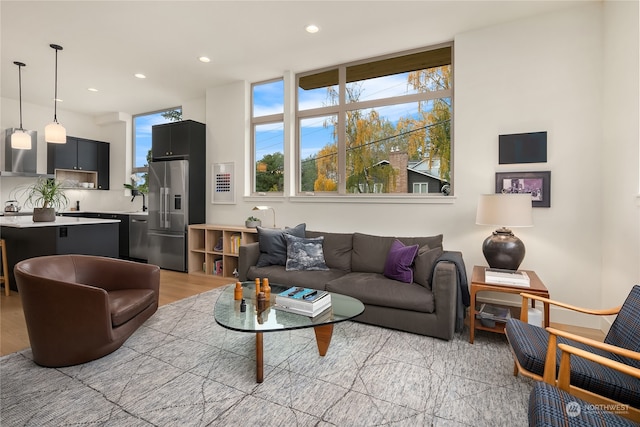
[(263, 120), (341, 109)]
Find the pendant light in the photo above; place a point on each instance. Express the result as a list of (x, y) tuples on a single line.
[(19, 138), (54, 132)]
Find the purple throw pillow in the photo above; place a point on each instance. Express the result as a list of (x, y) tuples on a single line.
[(399, 260)]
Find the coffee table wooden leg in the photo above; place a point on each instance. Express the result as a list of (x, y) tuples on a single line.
[(259, 358), (323, 337)]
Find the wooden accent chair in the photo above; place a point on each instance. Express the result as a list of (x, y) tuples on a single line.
[(536, 353), (79, 307), (556, 406)]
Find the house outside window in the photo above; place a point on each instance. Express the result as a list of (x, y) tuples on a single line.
[(267, 136), (377, 126)]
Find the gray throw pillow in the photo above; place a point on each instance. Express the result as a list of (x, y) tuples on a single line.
[(273, 246), (304, 254), (423, 264)]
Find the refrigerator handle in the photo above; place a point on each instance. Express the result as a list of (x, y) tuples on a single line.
[(161, 207), (167, 206)]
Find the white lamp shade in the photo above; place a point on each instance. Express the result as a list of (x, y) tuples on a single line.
[(55, 133), (21, 140), (505, 210)]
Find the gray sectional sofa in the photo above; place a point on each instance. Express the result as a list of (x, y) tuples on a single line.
[(432, 304)]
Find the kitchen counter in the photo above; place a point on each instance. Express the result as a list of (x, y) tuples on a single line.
[(66, 235), (27, 221)]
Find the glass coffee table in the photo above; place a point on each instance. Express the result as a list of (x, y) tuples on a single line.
[(228, 315)]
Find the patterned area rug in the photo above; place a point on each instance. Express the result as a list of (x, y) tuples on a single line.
[(182, 369)]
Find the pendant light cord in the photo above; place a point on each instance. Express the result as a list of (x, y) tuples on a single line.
[(20, 65), (55, 96), (55, 92)]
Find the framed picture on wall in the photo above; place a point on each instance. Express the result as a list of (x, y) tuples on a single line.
[(538, 184)]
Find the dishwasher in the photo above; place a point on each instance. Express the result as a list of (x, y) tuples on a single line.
[(138, 226)]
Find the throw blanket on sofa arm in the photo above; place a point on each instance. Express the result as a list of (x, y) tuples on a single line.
[(463, 297)]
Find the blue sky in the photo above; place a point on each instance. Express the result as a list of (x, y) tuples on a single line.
[(142, 130)]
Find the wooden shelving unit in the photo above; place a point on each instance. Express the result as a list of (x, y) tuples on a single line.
[(213, 245)]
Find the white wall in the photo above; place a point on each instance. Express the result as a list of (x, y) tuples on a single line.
[(542, 73), (620, 153)]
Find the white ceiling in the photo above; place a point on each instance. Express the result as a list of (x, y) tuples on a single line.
[(106, 42)]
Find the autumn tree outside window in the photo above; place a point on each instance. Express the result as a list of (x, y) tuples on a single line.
[(377, 126), (267, 136)]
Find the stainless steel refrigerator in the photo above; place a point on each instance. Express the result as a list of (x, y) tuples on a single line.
[(168, 213)]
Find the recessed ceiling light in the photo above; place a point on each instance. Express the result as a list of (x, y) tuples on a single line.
[(204, 59), (312, 29), (140, 76), (92, 89)]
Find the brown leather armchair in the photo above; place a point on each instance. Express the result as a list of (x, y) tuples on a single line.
[(79, 308)]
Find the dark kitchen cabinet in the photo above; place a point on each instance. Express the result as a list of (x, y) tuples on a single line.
[(103, 165), (123, 228), (177, 140), (81, 155)]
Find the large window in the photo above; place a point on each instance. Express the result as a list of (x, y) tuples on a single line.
[(267, 133), (142, 124), (380, 126)]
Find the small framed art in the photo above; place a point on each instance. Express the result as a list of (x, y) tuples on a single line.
[(538, 184), (222, 187)]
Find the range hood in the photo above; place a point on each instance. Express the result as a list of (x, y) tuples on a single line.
[(18, 162)]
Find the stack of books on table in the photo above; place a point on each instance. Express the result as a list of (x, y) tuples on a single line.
[(506, 277), (493, 313), (308, 302)]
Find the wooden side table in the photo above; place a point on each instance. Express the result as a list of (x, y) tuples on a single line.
[(536, 287)]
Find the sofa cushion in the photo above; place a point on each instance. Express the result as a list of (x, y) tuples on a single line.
[(304, 253), (370, 252), (308, 279), (337, 249), (423, 265), (126, 304), (399, 260), (273, 246), (375, 289)]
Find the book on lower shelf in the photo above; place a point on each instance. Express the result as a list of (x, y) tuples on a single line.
[(495, 313), (305, 301), (500, 276), (217, 267)]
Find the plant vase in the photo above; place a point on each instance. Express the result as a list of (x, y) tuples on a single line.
[(44, 215), (252, 224)]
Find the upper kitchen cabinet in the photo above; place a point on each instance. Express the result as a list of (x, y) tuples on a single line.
[(80, 160), (177, 140)]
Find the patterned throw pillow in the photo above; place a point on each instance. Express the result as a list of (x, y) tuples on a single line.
[(304, 253)]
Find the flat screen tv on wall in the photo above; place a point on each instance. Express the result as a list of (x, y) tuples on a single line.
[(522, 148)]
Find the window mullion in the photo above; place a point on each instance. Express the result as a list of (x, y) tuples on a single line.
[(342, 130)]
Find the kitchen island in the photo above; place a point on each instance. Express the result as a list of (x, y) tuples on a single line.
[(27, 239)]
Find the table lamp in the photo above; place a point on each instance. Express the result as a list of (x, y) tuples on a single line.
[(264, 208), (503, 249)]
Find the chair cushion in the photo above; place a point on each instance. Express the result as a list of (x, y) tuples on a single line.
[(529, 344), (127, 303), (548, 407), (625, 330), (375, 289)]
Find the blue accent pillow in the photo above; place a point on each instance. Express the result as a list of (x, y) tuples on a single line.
[(399, 261), (273, 246), (305, 254)]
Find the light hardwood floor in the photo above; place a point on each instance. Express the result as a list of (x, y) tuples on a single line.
[(173, 287)]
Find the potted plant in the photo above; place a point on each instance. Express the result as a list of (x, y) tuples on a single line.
[(45, 196), (252, 222)]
